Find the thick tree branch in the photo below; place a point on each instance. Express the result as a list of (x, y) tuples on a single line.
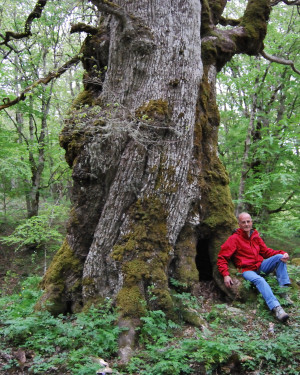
[(229, 21), (246, 37), (279, 60), (52, 75), (119, 12), (36, 13), (82, 27)]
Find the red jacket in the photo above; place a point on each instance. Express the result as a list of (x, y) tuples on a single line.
[(246, 253)]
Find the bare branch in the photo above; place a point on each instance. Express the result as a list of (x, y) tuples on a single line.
[(36, 13), (18, 129), (51, 179), (52, 75), (279, 60)]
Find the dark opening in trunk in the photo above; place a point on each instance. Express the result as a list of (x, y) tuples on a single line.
[(203, 260)]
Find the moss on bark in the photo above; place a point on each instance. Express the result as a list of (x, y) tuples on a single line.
[(255, 19), (144, 253), (217, 210), (154, 110), (184, 268), (84, 98), (54, 282)]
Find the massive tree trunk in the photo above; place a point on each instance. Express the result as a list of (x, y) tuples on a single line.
[(150, 199)]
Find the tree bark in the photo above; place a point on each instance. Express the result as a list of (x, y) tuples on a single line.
[(150, 193)]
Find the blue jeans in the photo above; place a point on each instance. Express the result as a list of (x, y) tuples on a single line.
[(267, 266)]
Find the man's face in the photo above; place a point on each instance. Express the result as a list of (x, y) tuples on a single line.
[(245, 223)]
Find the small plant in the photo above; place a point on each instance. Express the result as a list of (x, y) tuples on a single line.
[(65, 343), (229, 336), (37, 231)]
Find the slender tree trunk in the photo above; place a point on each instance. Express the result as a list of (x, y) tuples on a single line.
[(37, 162)]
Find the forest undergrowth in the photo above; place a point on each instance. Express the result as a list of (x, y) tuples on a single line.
[(232, 338)]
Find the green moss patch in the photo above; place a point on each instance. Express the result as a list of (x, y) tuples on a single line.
[(144, 254), (54, 281), (64, 261), (154, 110), (255, 18), (130, 301)]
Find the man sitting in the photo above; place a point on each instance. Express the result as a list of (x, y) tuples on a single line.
[(252, 257)]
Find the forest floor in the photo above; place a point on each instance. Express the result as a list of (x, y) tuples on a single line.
[(247, 330), (16, 266), (264, 340)]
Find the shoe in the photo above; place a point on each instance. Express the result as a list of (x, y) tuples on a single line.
[(280, 314)]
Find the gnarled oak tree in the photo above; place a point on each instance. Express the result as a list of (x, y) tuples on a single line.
[(150, 194)]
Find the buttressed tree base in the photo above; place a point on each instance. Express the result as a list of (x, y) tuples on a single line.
[(150, 194)]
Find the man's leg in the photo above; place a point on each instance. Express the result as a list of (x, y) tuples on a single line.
[(263, 287), (267, 294), (275, 263)]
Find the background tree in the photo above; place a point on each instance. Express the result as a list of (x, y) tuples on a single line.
[(259, 132), (36, 122), (149, 191)]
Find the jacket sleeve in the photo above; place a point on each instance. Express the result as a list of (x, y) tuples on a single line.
[(267, 252), (227, 250)]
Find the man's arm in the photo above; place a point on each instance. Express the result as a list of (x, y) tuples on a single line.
[(226, 252), (267, 252)]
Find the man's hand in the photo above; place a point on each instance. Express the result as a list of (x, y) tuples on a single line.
[(228, 281), (285, 257)]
